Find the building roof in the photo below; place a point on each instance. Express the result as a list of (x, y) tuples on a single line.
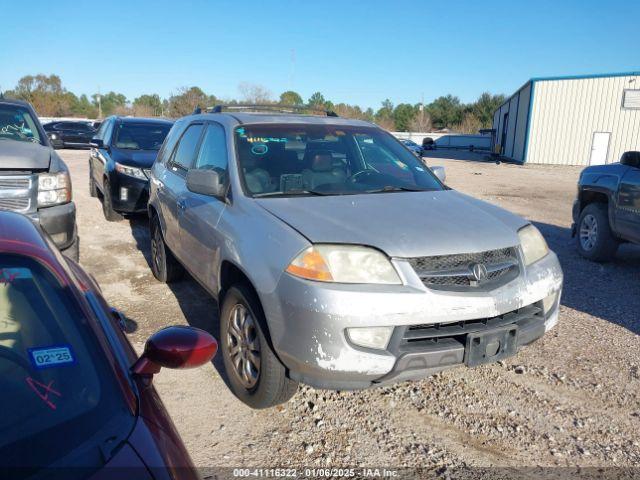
[(567, 77)]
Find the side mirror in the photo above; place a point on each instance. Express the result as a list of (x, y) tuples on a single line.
[(631, 159), (206, 182), (440, 173), (175, 347), (96, 143)]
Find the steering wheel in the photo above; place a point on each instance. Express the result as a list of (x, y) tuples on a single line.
[(9, 354), (362, 174)]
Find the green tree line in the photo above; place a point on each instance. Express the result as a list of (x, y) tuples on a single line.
[(51, 99)]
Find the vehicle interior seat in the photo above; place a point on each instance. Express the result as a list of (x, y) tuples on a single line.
[(322, 171), (258, 180)]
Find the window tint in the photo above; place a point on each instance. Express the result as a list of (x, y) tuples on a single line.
[(186, 150), (58, 390), (141, 136), (213, 152)]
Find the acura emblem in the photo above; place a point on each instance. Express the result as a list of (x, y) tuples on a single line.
[(479, 272)]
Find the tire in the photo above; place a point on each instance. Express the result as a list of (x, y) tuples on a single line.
[(268, 384), (594, 239), (73, 251), (164, 265), (93, 188), (107, 204)]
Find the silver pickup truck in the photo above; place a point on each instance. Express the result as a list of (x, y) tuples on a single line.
[(337, 257), (34, 180)]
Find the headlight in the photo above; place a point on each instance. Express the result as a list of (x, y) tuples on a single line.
[(533, 244), (344, 264), (131, 171), (53, 189), (370, 337)]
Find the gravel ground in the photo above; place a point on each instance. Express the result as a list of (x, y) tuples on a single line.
[(569, 400)]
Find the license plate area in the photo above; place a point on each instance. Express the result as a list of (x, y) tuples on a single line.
[(491, 346)]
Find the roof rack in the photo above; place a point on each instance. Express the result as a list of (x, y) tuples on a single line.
[(276, 108)]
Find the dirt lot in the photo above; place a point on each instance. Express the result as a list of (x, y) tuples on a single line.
[(571, 399)]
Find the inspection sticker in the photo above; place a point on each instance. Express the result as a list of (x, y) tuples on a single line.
[(53, 356)]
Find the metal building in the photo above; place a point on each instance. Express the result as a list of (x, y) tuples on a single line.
[(575, 120)]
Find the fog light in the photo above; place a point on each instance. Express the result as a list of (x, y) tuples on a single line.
[(59, 238), (549, 302), (370, 337), (124, 193)]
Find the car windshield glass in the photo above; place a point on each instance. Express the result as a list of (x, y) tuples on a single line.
[(141, 136), (294, 160), (17, 123), (58, 391)]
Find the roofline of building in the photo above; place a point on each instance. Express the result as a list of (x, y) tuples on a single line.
[(567, 77)]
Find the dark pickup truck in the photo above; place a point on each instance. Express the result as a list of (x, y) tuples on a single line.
[(34, 180), (606, 211)]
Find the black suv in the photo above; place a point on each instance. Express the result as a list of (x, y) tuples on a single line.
[(122, 152), (33, 178), (68, 134), (607, 209)]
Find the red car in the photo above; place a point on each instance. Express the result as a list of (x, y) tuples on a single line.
[(76, 400)]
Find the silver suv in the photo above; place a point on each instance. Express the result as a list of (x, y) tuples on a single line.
[(337, 257)]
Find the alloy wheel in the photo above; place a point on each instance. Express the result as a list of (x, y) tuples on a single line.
[(244, 345), (156, 253), (588, 232)]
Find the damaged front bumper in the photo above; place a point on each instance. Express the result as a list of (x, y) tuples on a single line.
[(308, 322)]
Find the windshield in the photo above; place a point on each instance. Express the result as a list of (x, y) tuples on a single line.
[(141, 136), (16, 123), (58, 392), (288, 160)]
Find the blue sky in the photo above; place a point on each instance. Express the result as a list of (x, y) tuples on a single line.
[(352, 51)]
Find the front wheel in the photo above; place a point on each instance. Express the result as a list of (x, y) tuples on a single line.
[(107, 204), (256, 375), (164, 265), (595, 240)]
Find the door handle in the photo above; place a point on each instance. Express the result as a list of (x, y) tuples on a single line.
[(182, 204)]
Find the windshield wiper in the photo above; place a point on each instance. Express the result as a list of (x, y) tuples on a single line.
[(290, 192), (395, 188)]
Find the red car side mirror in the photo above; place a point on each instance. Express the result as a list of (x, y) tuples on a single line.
[(175, 347)]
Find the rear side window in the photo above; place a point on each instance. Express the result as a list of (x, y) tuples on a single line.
[(186, 150)]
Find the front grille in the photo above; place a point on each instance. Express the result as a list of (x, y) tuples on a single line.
[(8, 183), (424, 337), (456, 271), (15, 204), (17, 192)]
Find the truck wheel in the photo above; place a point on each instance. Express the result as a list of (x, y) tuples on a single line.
[(107, 204), (595, 240), (164, 265), (256, 375), (73, 251)]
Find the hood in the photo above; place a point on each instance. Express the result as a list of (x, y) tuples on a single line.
[(402, 224), (134, 158), (16, 155)]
